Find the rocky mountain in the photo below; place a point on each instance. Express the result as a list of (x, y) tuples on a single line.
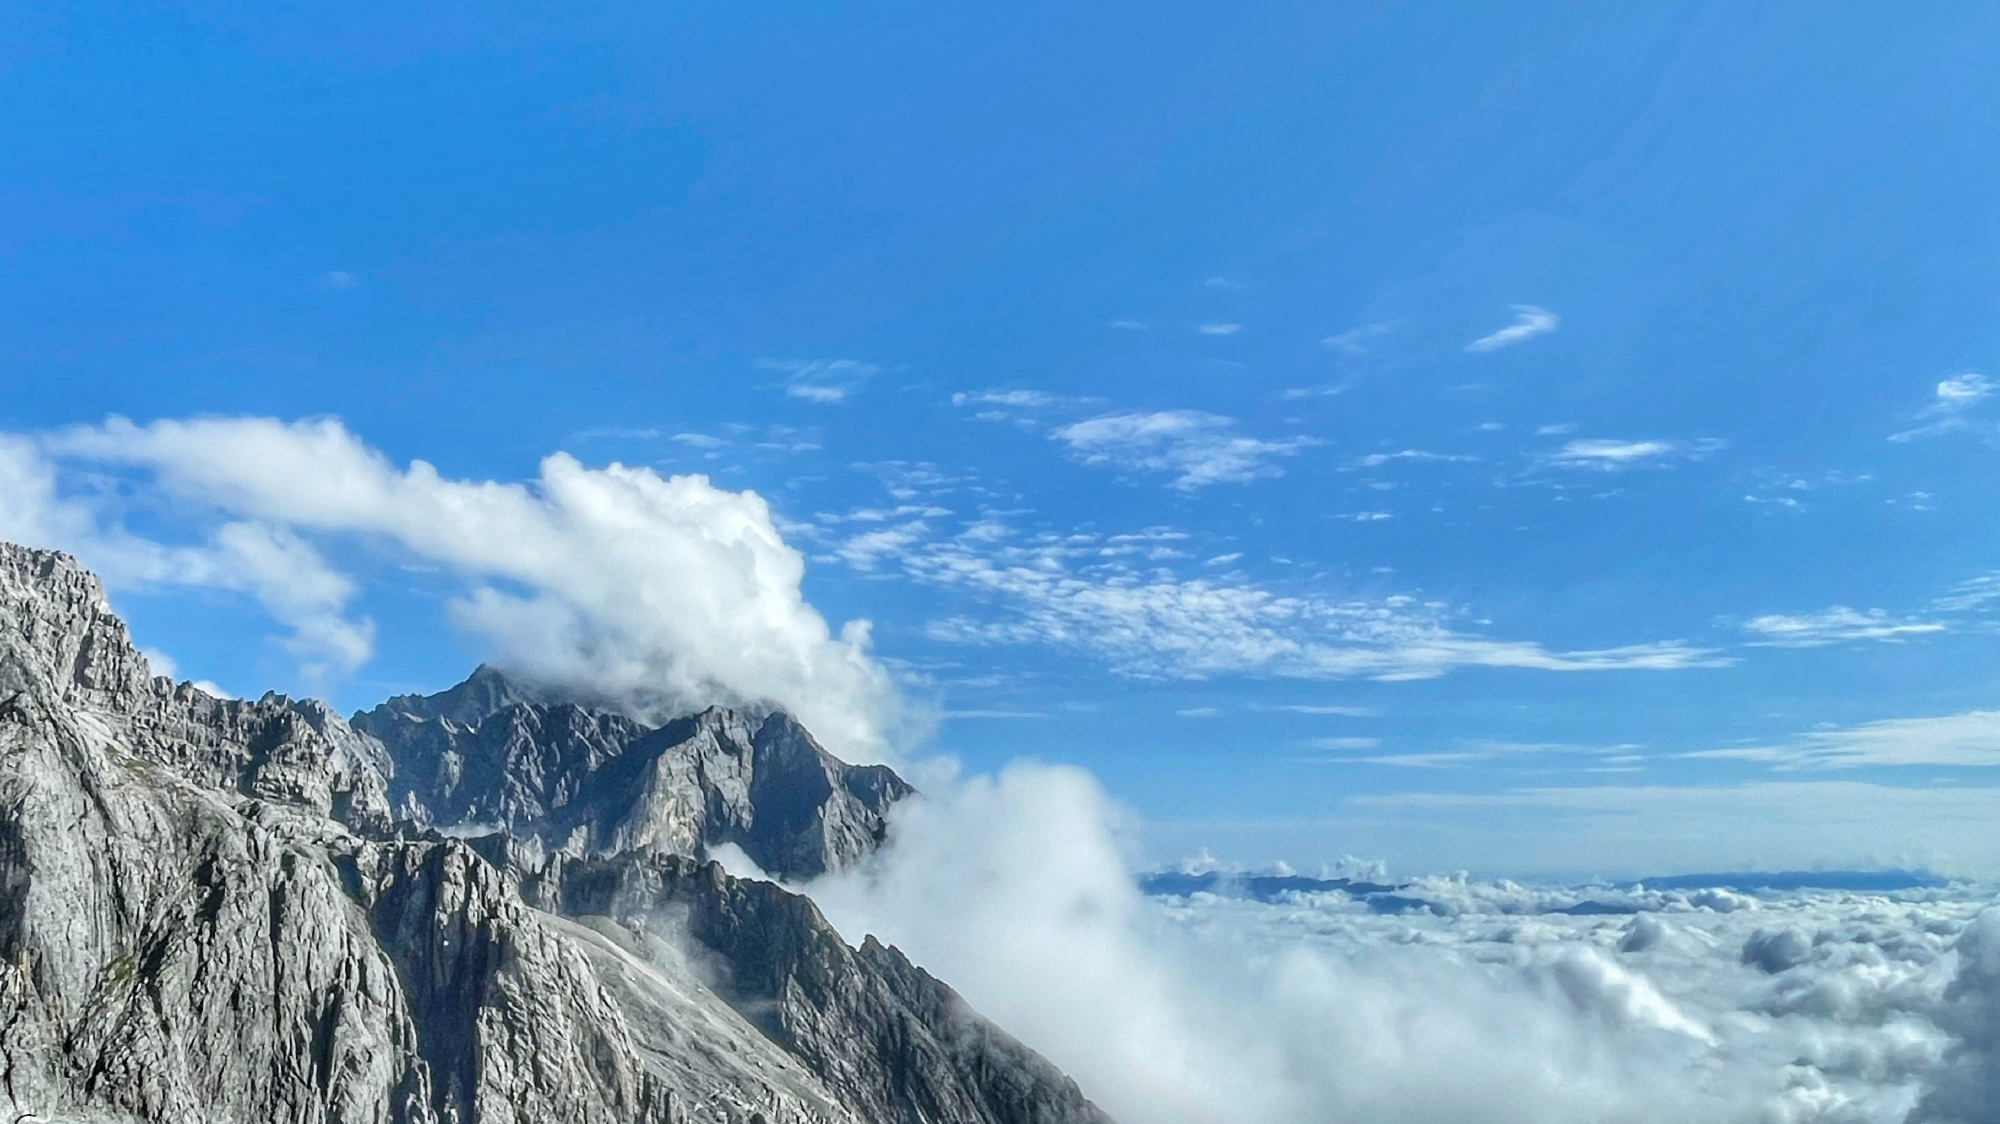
[(239, 911), (492, 751)]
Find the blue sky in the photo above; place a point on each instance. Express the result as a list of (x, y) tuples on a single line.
[(1519, 437)]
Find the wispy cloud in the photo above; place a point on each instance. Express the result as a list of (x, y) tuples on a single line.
[(1971, 739), (825, 381), (1951, 401), (1127, 325), (1197, 448), (1325, 390), (1529, 321), (1343, 711), (1837, 625), (1971, 595), (1106, 600), (1613, 455), (1377, 460), (1223, 329), (1355, 341), (1344, 743), (1022, 399)]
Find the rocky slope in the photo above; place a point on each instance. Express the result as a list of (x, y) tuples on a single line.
[(240, 911)]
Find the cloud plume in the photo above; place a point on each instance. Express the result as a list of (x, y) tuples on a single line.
[(655, 591)]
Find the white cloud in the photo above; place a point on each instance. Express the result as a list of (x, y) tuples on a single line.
[(1326, 390), (1971, 595), (259, 558), (1215, 1011), (1960, 391), (1021, 399), (1376, 460), (1085, 593), (1197, 448), (862, 551), (1529, 321), (1355, 341), (1200, 712), (824, 381), (665, 592), (1127, 325), (1836, 625), (1345, 743), (1611, 455), (1220, 329), (1971, 739), (1316, 708), (1951, 400)]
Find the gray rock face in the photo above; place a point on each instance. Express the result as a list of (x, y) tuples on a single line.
[(590, 782), (208, 912)]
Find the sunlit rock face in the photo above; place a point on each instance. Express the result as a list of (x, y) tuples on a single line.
[(498, 752), (241, 911)]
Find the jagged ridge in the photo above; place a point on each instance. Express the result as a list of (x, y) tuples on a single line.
[(208, 911)]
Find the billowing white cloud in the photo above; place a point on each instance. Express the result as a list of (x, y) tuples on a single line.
[(1836, 625), (657, 592), (1197, 448), (1486, 1005), (1529, 321)]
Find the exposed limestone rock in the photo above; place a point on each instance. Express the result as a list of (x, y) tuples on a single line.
[(209, 913), (593, 782)]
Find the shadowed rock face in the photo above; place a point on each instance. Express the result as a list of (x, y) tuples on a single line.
[(208, 910)]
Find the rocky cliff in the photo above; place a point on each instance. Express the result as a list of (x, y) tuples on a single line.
[(223, 910)]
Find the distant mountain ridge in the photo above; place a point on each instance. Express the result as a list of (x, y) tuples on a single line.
[(244, 911)]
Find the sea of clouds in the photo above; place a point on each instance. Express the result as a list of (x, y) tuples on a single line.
[(1484, 1004)]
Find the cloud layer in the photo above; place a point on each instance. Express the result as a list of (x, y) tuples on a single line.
[(1483, 1001)]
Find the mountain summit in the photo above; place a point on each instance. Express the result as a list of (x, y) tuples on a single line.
[(494, 752), (245, 911)]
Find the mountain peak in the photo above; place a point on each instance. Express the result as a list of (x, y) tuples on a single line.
[(487, 691), (58, 634)]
